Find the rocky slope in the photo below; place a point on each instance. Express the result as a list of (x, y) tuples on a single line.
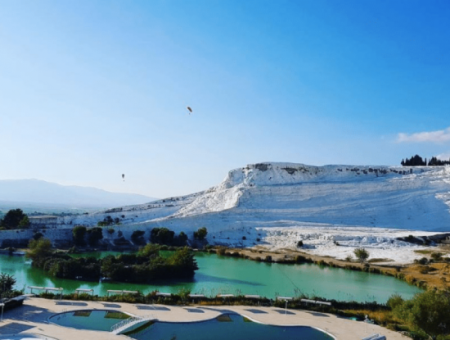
[(278, 204)]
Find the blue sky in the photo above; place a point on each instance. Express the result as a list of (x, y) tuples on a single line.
[(93, 89)]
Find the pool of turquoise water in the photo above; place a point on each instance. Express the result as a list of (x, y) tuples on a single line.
[(224, 327), (225, 275)]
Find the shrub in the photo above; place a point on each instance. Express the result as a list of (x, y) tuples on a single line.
[(436, 256), (94, 235), (422, 261), (37, 235), (15, 218), (137, 237), (200, 234), (424, 270), (78, 234), (361, 254), (39, 248), (107, 221), (162, 236)]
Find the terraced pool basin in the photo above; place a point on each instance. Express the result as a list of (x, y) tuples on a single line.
[(96, 320), (224, 327)]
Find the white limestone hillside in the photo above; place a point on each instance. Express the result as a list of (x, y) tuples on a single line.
[(277, 204)]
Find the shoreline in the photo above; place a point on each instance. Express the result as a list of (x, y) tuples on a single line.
[(432, 275)]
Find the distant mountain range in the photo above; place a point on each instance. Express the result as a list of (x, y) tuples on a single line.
[(33, 193)]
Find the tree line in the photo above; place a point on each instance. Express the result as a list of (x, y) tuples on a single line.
[(83, 236), (14, 219), (419, 161)]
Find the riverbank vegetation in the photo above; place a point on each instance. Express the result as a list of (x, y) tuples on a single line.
[(434, 274), (144, 266)]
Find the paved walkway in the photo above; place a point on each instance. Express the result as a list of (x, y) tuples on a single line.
[(32, 318)]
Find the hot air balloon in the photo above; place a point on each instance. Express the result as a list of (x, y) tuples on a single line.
[(123, 177), (189, 109)]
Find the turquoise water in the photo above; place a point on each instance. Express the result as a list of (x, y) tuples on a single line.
[(225, 327), (97, 320), (225, 275), (235, 327)]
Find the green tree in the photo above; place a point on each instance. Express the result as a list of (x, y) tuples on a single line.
[(431, 312), (13, 218), (162, 236), (24, 222), (181, 239), (184, 262), (361, 254), (394, 301), (94, 235), (200, 234), (78, 233), (137, 237), (149, 250), (38, 249)]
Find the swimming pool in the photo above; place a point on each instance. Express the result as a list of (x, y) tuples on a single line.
[(95, 320), (227, 326)]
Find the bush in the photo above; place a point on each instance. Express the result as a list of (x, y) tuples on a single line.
[(107, 221), (361, 254), (394, 301), (162, 236), (94, 235), (15, 218), (430, 311), (436, 256), (78, 234), (422, 261), (6, 284), (37, 235), (200, 234), (300, 244), (39, 249), (137, 237)]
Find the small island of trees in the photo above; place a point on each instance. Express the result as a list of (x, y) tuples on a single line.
[(146, 266)]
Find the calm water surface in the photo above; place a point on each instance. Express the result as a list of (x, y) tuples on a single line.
[(225, 327), (225, 275)]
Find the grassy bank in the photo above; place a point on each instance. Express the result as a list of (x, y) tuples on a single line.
[(431, 275)]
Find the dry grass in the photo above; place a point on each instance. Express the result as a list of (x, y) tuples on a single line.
[(424, 251), (375, 260)]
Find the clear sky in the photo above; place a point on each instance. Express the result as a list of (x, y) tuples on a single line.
[(93, 89)]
